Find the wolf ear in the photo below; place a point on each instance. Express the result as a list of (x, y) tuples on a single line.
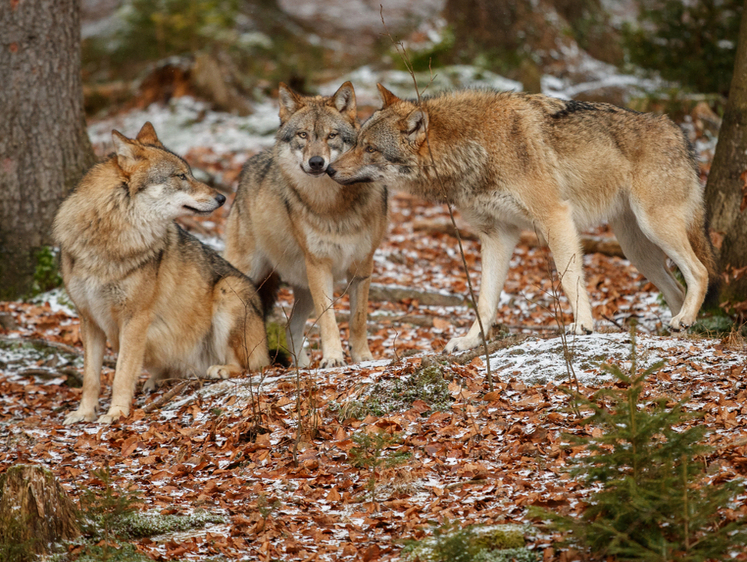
[(290, 102), (147, 135), (387, 97), (344, 101), (416, 126), (127, 151)]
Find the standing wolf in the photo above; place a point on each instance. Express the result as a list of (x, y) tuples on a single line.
[(290, 219), (162, 299), (509, 161)]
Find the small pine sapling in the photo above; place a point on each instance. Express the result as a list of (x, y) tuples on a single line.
[(371, 451), (650, 500)]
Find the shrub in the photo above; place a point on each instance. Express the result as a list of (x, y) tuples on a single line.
[(649, 497), (693, 43)]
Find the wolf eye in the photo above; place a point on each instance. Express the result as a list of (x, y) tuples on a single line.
[(182, 177), (370, 149), (332, 135), (303, 135)]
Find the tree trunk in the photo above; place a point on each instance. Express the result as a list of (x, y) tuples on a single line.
[(726, 192), (35, 511), (44, 146)]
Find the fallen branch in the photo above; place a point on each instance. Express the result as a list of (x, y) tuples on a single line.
[(47, 373), (166, 398), (390, 293), (109, 361), (591, 244), (464, 358)]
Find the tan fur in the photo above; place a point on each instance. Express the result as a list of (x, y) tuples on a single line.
[(510, 161), (291, 219), (162, 299)]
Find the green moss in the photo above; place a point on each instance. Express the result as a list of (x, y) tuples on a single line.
[(46, 271), (426, 384), (125, 552), (277, 344), (138, 525), (475, 543)]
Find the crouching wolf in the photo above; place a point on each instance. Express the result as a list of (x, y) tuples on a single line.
[(290, 219), (509, 161), (162, 299)]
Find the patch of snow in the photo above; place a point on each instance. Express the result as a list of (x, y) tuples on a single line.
[(400, 82), (186, 123), (541, 361)]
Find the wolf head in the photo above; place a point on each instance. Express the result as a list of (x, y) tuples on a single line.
[(389, 145), (315, 130), (160, 183)]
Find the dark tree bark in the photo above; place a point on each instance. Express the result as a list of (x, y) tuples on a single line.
[(44, 146), (726, 192)]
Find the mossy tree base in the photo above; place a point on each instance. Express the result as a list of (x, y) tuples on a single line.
[(34, 509)]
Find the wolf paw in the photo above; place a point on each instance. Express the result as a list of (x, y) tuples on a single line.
[(151, 384), (79, 416), (360, 357), (330, 362), (677, 325), (461, 344), (579, 329), (112, 415), (217, 372), (303, 360)]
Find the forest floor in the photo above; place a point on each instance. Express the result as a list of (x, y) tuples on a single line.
[(299, 488)]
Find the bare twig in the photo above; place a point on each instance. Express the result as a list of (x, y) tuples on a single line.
[(408, 64), (166, 398), (466, 357)]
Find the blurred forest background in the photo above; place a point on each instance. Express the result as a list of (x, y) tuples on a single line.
[(231, 51)]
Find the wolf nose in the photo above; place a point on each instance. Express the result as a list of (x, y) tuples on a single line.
[(331, 171), (316, 163), (220, 198)]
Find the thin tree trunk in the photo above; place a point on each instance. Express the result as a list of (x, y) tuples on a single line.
[(726, 192), (44, 146)]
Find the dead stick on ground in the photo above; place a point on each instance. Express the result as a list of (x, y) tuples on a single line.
[(163, 400), (109, 361), (464, 358)]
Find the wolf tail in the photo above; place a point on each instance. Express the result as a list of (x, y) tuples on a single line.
[(267, 289), (701, 244)]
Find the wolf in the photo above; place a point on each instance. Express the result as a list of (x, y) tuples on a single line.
[(509, 161), (290, 220), (163, 299)]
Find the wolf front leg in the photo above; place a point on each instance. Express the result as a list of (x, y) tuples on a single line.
[(497, 247), (132, 342), (321, 285), (94, 344), (562, 238), (360, 281)]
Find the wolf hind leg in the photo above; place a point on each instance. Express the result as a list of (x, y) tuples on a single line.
[(496, 250), (238, 328), (671, 236), (649, 259), (360, 282), (303, 305)]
